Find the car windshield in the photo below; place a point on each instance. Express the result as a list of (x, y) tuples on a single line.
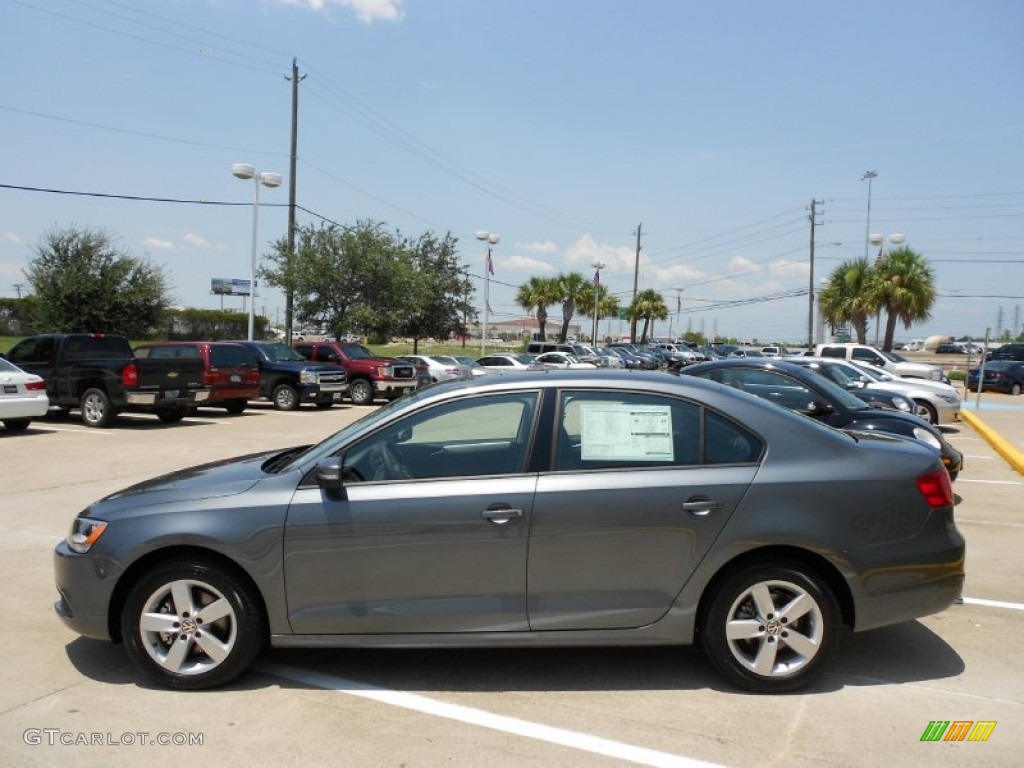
[(445, 360), (892, 356), (280, 353), (9, 367), (358, 352)]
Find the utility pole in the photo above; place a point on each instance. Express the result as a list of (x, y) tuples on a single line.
[(813, 217), (289, 291), (636, 278)]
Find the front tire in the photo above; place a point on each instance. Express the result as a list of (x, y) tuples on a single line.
[(191, 625), (1015, 389), (770, 629), (360, 392), (285, 397), (96, 408)]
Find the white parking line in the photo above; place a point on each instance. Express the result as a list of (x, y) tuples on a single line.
[(990, 482), (993, 603), (83, 431), (483, 719)]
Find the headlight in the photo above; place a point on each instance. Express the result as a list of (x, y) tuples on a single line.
[(903, 404), (951, 399), (309, 377), (927, 437), (85, 531)]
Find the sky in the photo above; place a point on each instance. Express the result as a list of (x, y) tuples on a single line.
[(564, 126)]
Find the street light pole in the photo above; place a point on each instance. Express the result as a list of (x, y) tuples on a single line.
[(491, 239), (869, 175), (245, 171), (679, 309), (880, 241), (598, 266)]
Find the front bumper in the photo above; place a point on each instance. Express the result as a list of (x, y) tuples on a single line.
[(85, 586)]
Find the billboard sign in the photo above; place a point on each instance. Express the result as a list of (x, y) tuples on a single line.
[(228, 286)]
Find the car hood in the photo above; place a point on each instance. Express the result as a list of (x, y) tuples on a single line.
[(206, 481)]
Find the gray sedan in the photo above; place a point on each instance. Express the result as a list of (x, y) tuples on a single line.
[(541, 509)]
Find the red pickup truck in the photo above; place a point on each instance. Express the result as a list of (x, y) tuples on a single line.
[(369, 375)]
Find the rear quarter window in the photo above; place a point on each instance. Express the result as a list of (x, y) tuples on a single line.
[(227, 357)]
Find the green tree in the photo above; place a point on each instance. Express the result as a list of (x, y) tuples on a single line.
[(538, 293), (575, 289), (848, 298), (903, 284), (439, 290), (83, 283), (607, 304), (648, 306), (345, 279)]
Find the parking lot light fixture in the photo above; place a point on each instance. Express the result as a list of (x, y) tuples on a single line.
[(245, 172), (491, 239)]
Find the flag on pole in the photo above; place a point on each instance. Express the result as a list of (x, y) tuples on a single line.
[(490, 262), (880, 257), (489, 310), (597, 278)]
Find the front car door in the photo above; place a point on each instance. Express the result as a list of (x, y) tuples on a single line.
[(431, 532), (641, 486)]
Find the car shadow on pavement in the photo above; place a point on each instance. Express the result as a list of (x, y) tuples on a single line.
[(908, 652)]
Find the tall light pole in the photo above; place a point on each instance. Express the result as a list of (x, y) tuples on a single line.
[(245, 171), (491, 239), (679, 309), (598, 266), (869, 175)]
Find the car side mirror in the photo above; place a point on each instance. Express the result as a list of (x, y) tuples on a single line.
[(819, 408), (330, 474)]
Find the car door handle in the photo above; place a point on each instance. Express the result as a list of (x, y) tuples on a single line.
[(702, 507), (500, 514)]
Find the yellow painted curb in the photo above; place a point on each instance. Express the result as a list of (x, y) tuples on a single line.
[(997, 441)]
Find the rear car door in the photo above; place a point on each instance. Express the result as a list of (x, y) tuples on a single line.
[(641, 486), (431, 532)]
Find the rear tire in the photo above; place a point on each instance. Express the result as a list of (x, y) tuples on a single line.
[(17, 425), (96, 408), (325, 404), (771, 628), (1015, 389), (171, 415), (191, 625), (235, 407)]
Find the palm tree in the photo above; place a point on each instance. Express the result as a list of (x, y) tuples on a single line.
[(574, 287), (537, 293), (649, 305), (903, 284), (607, 305), (848, 297)]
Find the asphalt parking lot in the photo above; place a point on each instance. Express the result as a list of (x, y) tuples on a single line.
[(69, 700)]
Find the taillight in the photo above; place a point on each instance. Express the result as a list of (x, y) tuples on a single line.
[(130, 375), (936, 489), (253, 376), (35, 385)]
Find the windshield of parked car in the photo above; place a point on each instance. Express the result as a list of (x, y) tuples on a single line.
[(892, 356), (280, 353), (358, 352)]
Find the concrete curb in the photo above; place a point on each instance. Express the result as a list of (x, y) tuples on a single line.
[(1014, 457)]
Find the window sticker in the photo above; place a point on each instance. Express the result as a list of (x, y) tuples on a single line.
[(622, 432)]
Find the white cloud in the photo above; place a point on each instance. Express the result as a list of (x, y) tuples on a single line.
[(157, 244), (367, 11), (743, 264), (789, 268), (196, 240), (8, 268), (545, 247), (10, 237), (523, 264), (587, 250)]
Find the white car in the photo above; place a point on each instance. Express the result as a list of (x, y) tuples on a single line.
[(440, 367), (936, 402), (22, 397), (520, 362), (563, 360)]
